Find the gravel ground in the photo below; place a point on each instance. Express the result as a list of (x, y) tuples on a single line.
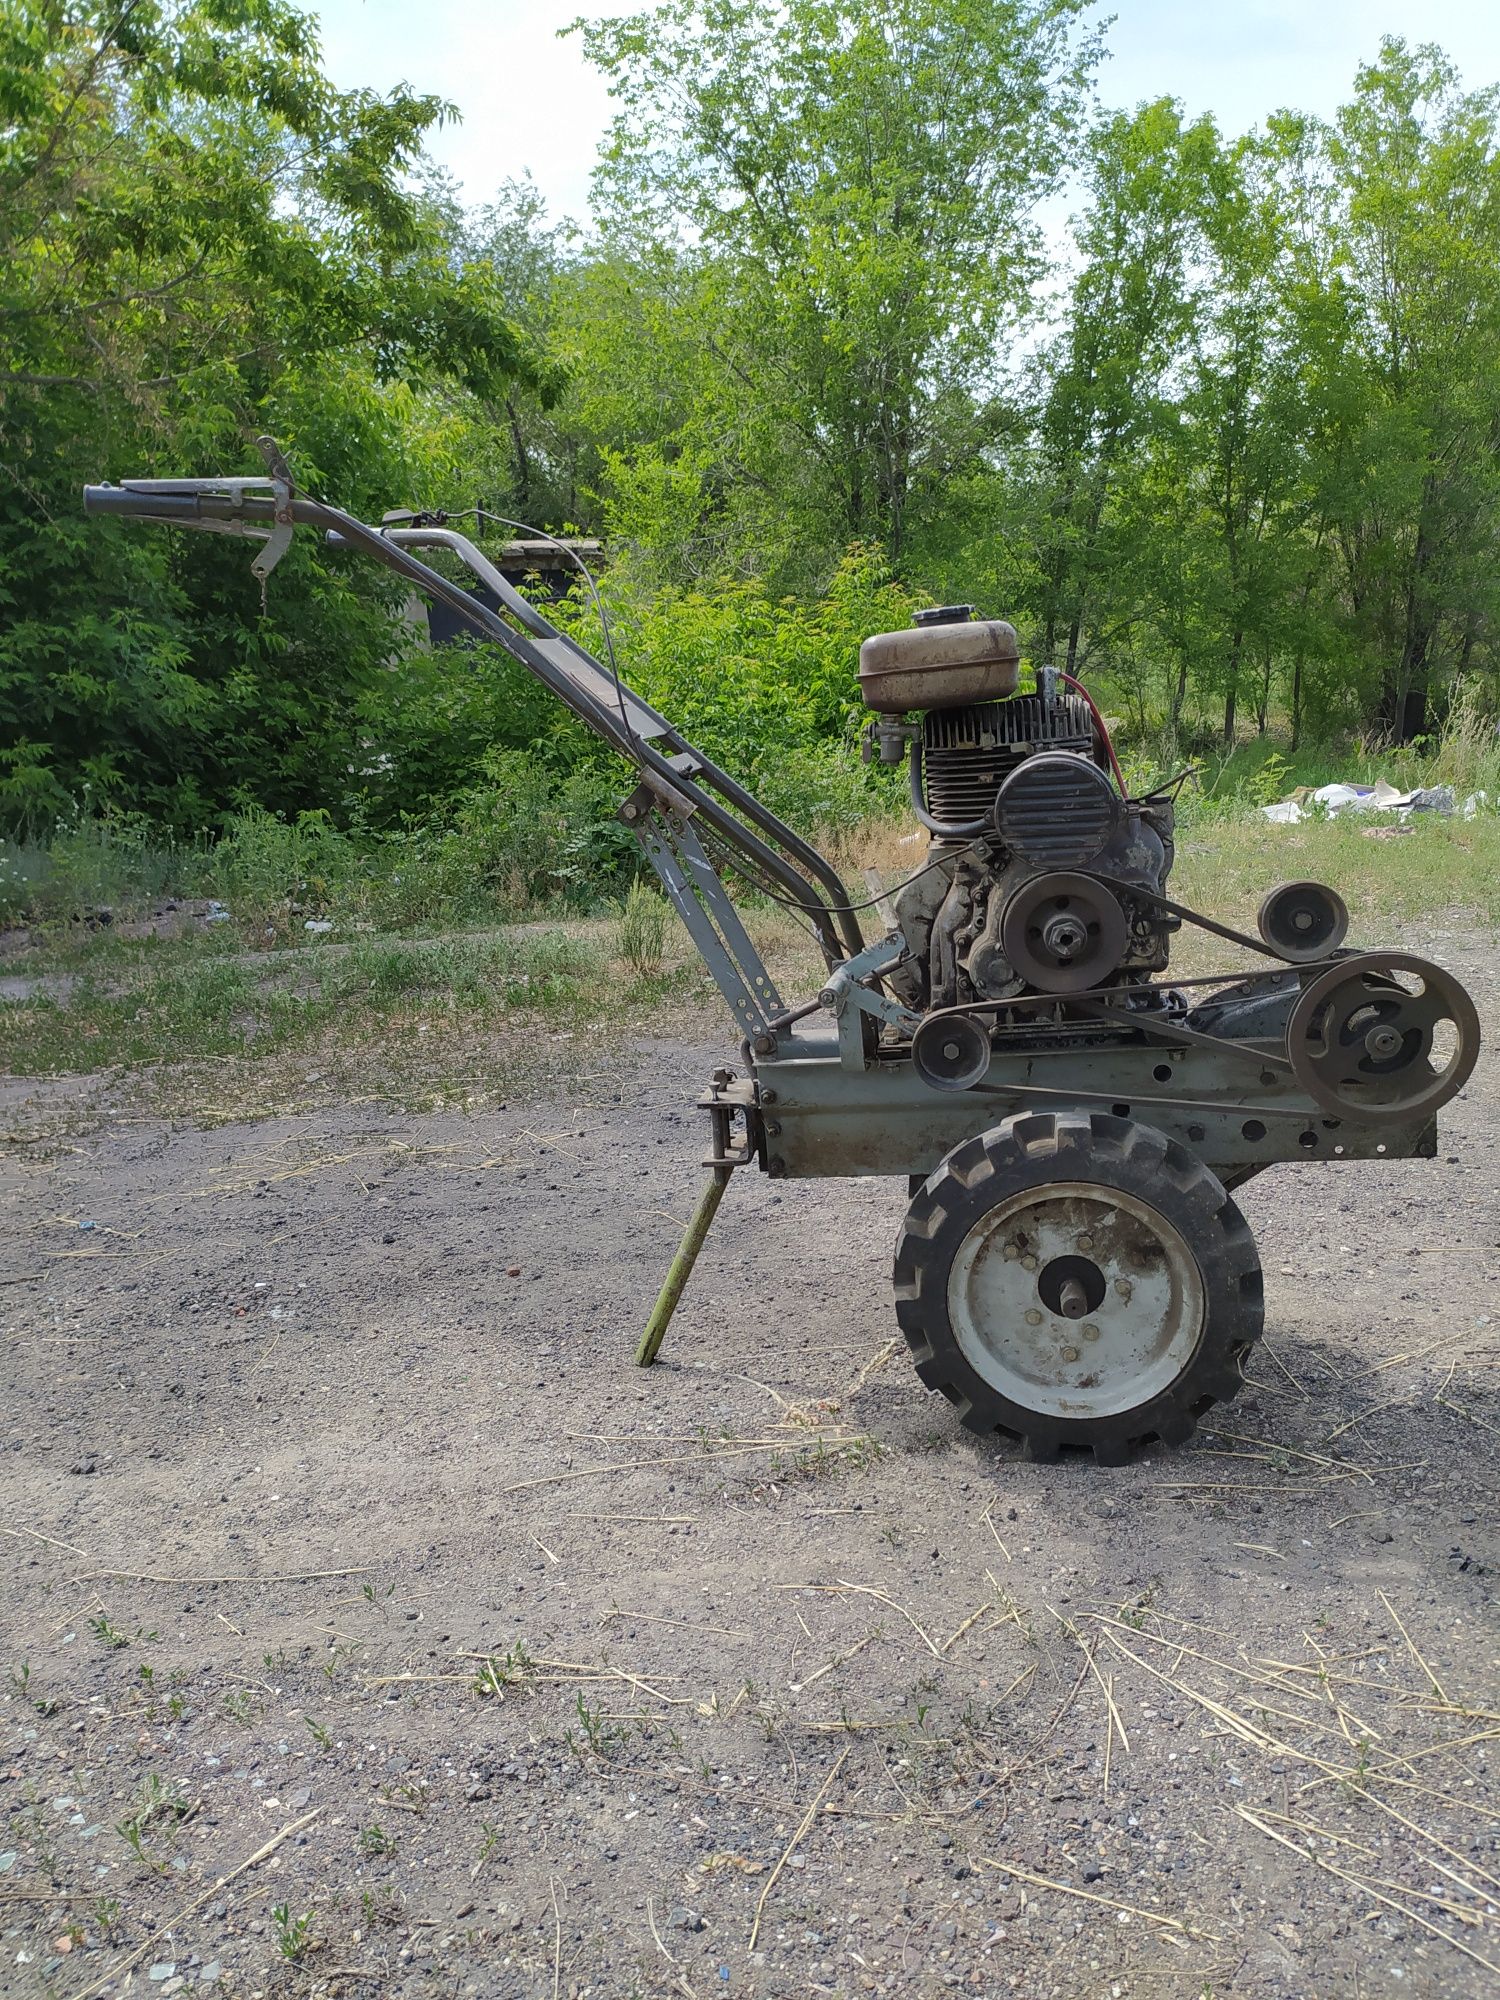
[(371, 1627)]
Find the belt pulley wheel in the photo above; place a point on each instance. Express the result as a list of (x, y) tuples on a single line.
[(951, 1052), (1077, 1280), (1063, 933), (1383, 1035), (1303, 920)]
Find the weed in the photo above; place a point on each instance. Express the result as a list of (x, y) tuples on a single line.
[(20, 1680), (506, 1670), (339, 1657), (38, 1823), (599, 1733), (375, 1841), (106, 1914), (241, 1706), (489, 1841), (643, 931), (379, 1598), (380, 1906), (320, 1735), (108, 1634), (293, 1934), (155, 1803)]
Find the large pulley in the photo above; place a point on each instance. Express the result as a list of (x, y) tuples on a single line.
[(1063, 932), (1077, 1279), (1383, 1035)]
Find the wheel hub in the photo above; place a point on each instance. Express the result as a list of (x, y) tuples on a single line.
[(1076, 1300)]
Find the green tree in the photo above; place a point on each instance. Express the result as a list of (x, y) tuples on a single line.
[(1107, 380), (849, 190), (1418, 274), (201, 238)]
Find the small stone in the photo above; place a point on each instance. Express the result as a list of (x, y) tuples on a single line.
[(164, 1970)]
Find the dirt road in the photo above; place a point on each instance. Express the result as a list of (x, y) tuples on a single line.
[(333, 1514)]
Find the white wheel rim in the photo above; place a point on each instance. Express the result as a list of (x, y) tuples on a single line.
[(1139, 1333)]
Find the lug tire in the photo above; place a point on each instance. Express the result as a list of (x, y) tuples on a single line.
[(1029, 1154)]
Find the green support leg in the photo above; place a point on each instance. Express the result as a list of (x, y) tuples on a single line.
[(682, 1267)]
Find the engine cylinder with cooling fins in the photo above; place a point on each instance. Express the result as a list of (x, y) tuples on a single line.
[(968, 753)]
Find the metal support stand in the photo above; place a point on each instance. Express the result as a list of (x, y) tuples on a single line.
[(682, 1267)]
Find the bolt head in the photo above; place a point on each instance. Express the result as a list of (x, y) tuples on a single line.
[(1085, 1242), (1090, 1331), (1033, 1317), (1028, 1262), (1070, 1354)]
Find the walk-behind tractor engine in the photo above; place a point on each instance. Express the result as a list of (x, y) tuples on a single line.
[(1072, 1270)]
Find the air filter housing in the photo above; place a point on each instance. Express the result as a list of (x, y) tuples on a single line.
[(1057, 810)]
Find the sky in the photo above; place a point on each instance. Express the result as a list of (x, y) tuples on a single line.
[(530, 103)]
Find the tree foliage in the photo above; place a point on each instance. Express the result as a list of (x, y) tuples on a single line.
[(1228, 445)]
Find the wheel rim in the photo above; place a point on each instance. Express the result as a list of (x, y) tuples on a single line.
[(1076, 1300)]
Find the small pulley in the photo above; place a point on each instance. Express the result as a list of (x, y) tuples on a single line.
[(1303, 921), (1383, 1035), (1064, 933), (950, 1052)]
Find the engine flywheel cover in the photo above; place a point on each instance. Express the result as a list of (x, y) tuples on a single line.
[(1363, 1044), (1057, 810), (1064, 933)]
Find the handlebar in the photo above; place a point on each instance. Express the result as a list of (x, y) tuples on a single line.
[(594, 693), (172, 503)]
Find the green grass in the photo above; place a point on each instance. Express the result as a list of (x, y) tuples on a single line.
[(174, 1004), (374, 1006), (1427, 871)]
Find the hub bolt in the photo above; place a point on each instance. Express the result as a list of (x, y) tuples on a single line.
[(1028, 1262), (1033, 1317), (1090, 1331), (1070, 1354)]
